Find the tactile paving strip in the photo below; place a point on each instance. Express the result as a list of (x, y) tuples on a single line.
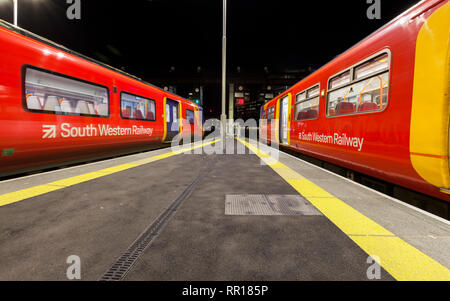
[(271, 204)]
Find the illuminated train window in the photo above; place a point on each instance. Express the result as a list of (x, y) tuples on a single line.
[(340, 80), (366, 92), (190, 116), (307, 104), (137, 107), (54, 93), (263, 113), (366, 88), (270, 114)]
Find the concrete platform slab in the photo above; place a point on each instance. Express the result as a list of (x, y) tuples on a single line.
[(202, 243)]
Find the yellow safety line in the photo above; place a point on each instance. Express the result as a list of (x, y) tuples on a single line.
[(398, 258), (17, 196)]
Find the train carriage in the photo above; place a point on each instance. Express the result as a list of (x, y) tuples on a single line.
[(58, 107), (381, 108)]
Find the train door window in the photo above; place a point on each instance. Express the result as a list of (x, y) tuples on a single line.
[(263, 113), (167, 112), (366, 92), (190, 116), (55, 93), (200, 116), (270, 113), (136, 107), (174, 114), (307, 104)]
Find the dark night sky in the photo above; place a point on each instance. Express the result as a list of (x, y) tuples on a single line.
[(146, 37)]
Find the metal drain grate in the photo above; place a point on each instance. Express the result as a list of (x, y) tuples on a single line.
[(272, 204), (122, 265)]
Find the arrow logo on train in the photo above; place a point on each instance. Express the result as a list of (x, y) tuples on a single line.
[(49, 131)]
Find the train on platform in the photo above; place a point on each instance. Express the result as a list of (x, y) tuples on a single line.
[(381, 108), (58, 107)]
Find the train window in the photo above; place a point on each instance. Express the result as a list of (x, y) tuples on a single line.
[(307, 104), (373, 66), (55, 93), (167, 112), (270, 113), (340, 80), (190, 116), (174, 114), (313, 92), (137, 107), (263, 113), (301, 96), (367, 92)]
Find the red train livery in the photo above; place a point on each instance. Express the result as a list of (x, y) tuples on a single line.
[(59, 107), (381, 108)]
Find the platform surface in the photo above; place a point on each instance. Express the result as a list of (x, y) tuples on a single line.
[(98, 217)]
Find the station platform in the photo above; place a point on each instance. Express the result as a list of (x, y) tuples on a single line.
[(188, 216)]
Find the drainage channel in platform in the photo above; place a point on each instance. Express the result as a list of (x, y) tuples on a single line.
[(125, 262)]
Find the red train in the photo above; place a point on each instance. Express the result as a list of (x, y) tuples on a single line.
[(381, 108), (59, 107)]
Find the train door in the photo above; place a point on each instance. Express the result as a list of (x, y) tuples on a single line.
[(284, 117), (172, 119)]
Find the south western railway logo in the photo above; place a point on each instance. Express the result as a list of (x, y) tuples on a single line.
[(337, 139), (66, 130)]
